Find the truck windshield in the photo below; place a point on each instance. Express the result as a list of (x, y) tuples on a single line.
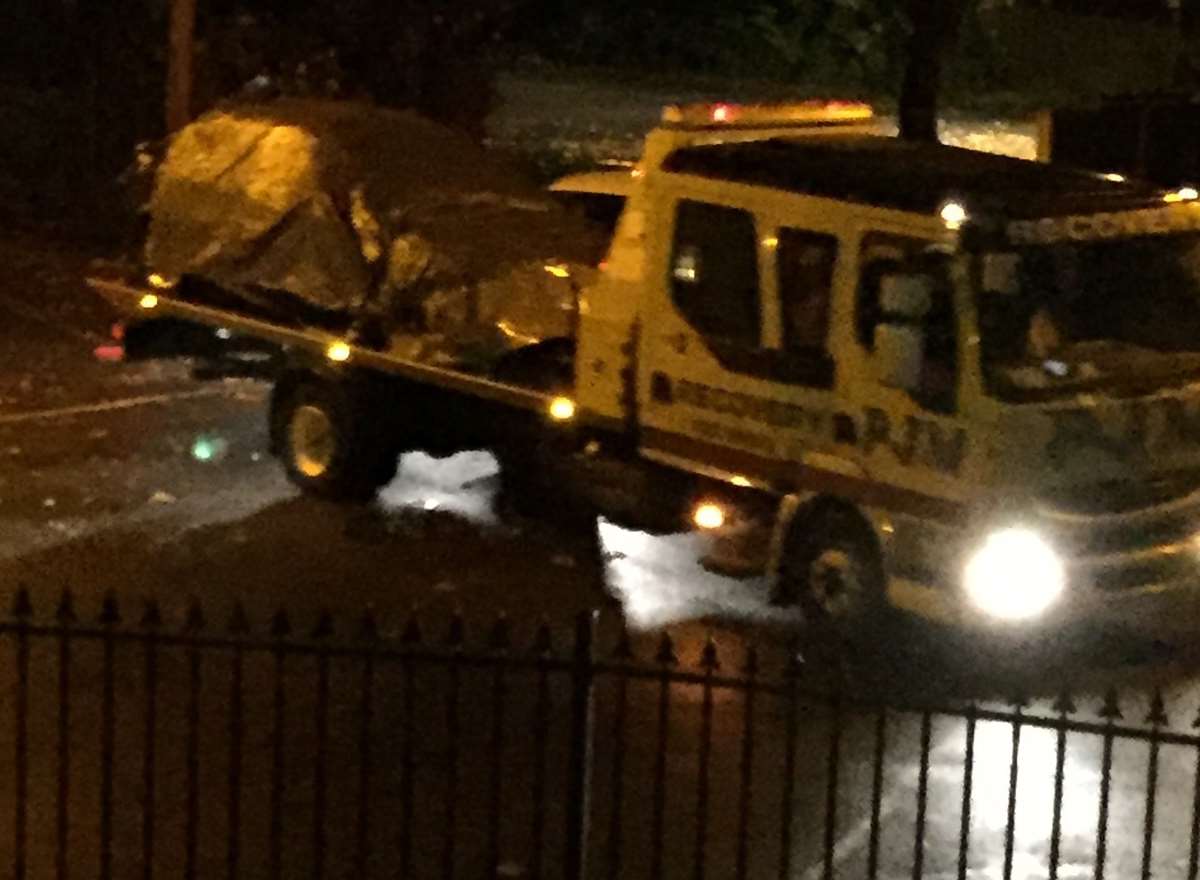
[(1118, 314)]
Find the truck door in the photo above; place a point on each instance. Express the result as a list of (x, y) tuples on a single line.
[(734, 363)]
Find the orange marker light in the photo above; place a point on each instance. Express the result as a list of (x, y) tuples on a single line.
[(709, 516)]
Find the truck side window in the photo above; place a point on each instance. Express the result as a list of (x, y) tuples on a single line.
[(714, 273), (806, 263)]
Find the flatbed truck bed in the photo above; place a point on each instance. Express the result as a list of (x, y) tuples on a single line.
[(145, 302)]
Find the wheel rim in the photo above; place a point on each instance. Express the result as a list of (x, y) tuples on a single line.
[(835, 582), (313, 441)]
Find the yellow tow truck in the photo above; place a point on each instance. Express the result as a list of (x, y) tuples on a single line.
[(957, 383)]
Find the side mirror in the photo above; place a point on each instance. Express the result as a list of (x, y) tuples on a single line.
[(900, 356)]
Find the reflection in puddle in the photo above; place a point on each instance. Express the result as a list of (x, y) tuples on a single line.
[(1037, 763), (660, 581), (462, 484)]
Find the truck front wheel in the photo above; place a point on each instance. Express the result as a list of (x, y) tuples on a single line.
[(833, 567), (324, 436)]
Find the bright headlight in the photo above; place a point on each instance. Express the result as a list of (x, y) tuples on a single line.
[(1015, 575)]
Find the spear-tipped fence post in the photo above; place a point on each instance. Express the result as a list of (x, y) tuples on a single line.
[(1065, 707), (22, 612), (793, 672), (499, 645), (1194, 848), (321, 635), (368, 636), (543, 652), (455, 642), (411, 641), (193, 633), (666, 660), (710, 665), (239, 629), (1111, 713), (150, 625), (67, 620), (579, 766), (1157, 719), (110, 618), (281, 630)]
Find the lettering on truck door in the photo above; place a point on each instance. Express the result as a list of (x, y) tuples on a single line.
[(736, 371)]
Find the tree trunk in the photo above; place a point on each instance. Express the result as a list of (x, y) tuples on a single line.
[(1187, 73), (181, 45), (935, 26)]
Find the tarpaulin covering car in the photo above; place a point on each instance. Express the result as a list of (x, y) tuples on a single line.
[(376, 220)]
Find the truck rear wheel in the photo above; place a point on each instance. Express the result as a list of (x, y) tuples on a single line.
[(833, 568), (324, 436)]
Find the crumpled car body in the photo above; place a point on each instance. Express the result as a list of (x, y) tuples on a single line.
[(375, 217)]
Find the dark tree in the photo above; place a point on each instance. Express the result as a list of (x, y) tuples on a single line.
[(1187, 70), (934, 28), (1131, 10), (180, 77)]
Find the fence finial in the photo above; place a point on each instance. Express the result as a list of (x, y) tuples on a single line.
[(710, 661), (665, 655), (66, 609), (239, 623), (151, 615), (750, 664), (795, 659), (22, 608), (1111, 710), (368, 627), (412, 630), (623, 652), (543, 642), (281, 624), (110, 612), (500, 639), (1065, 705), (195, 617), (456, 633), (324, 627), (1157, 715)]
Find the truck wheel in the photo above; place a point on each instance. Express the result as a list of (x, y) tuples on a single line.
[(833, 568), (325, 439)]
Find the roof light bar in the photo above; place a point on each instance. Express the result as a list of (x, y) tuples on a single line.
[(764, 115)]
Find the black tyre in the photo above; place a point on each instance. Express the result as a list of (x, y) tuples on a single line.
[(329, 441), (833, 568)]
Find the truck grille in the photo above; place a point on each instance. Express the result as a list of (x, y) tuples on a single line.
[(1129, 535)]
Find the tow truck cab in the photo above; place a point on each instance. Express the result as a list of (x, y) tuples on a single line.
[(968, 384)]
